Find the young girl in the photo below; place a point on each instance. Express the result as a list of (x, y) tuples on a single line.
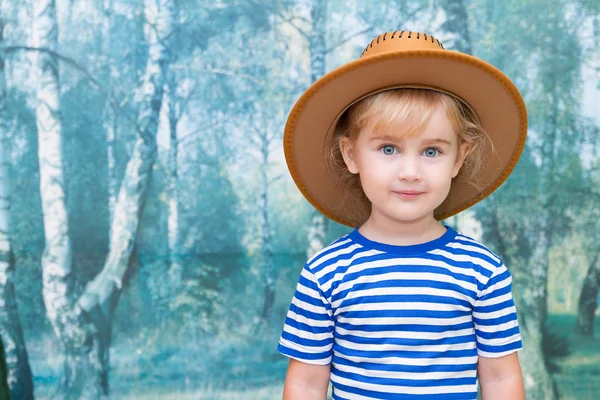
[(404, 307)]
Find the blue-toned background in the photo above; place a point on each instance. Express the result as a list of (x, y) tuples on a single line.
[(151, 237)]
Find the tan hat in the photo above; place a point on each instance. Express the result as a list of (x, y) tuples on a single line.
[(394, 60)]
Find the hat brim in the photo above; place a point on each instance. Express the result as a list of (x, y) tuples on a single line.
[(490, 93)]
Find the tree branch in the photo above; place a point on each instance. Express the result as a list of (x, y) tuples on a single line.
[(347, 39), (118, 108), (59, 56)]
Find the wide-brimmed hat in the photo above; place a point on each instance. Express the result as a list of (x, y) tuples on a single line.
[(395, 60)]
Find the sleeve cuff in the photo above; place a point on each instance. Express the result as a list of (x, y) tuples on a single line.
[(305, 357), (499, 351)]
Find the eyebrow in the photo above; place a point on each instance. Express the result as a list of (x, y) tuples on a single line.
[(427, 142)]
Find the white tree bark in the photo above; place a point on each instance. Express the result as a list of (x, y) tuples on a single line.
[(175, 266), (109, 115), (317, 50), (84, 325), (19, 373), (56, 260)]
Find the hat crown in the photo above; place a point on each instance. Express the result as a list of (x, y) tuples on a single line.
[(401, 41)]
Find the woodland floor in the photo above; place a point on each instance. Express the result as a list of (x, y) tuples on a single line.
[(160, 376)]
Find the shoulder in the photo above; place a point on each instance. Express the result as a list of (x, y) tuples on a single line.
[(474, 255), (468, 245), (331, 253), (333, 260)]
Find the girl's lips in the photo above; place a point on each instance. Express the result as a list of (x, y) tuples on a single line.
[(409, 194)]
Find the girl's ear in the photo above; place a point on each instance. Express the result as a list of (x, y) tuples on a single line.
[(463, 151), (347, 150)]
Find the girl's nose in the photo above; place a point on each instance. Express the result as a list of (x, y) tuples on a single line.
[(409, 169)]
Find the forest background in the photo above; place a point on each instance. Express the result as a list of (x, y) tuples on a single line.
[(151, 237)]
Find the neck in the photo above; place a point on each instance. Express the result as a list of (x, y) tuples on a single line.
[(383, 229)]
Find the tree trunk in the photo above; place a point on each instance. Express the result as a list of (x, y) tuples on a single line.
[(109, 113), (588, 302), (175, 265), (538, 282), (317, 50), (84, 325), (14, 357), (56, 258), (101, 295), (267, 246), (538, 382), (84, 372)]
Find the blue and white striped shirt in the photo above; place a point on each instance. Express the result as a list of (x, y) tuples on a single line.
[(402, 322)]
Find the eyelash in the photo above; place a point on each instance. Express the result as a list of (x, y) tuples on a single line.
[(439, 151)]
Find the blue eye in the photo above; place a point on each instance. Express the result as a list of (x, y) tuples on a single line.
[(431, 152), (388, 150)]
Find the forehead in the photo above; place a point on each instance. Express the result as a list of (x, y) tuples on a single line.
[(427, 124)]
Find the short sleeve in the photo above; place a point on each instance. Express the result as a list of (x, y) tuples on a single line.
[(495, 317), (308, 329)]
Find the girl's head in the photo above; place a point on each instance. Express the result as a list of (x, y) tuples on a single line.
[(384, 122)]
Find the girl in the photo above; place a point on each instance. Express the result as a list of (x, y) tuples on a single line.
[(404, 307)]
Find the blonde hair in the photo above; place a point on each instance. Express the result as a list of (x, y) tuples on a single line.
[(404, 111)]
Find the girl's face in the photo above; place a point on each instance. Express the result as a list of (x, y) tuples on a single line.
[(406, 178)]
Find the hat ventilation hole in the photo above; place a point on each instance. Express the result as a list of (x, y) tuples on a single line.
[(383, 37)]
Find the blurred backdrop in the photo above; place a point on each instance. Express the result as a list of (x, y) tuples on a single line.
[(151, 237)]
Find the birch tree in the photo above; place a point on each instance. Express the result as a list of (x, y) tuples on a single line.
[(176, 105), (264, 138), (83, 324), (109, 115), (317, 53), (17, 362), (175, 267)]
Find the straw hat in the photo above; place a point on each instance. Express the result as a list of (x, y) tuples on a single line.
[(394, 60)]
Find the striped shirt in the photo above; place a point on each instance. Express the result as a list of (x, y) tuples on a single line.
[(402, 322)]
